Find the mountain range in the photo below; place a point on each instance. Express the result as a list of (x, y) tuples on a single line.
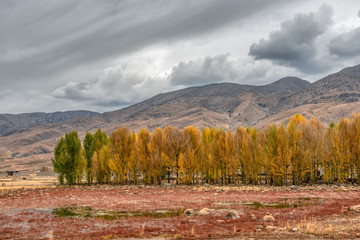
[(27, 140)]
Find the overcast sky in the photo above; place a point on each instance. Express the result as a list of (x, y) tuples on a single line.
[(95, 55)]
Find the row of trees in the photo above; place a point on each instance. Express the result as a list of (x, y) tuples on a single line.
[(302, 152)]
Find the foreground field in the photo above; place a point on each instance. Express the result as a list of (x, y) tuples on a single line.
[(114, 212)]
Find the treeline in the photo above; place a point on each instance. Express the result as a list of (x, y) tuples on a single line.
[(301, 152)]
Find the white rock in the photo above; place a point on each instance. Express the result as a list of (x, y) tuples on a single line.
[(269, 218)]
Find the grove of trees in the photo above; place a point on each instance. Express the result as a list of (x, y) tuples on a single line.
[(301, 152)]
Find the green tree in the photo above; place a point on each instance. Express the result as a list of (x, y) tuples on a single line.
[(60, 159), (67, 156), (89, 149)]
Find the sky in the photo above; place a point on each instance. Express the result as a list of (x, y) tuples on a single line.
[(62, 55)]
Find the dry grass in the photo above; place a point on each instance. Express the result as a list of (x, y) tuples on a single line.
[(30, 182), (334, 225)]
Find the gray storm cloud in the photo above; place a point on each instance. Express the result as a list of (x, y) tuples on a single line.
[(346, 45), (53, 37), (103, 55), (295, 43)]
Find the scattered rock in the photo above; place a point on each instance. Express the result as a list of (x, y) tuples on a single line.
[(232, 215), (253, 217), (295, 230), (215, 194), (258, 230), (167, 184), (269, 218), (355, 208), (206, 185), (219, 191), (204, 211), (220, 221), (269, 228), (259, 226), (189, 212), (293, 187)]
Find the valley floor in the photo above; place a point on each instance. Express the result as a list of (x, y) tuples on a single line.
[(218, 212)]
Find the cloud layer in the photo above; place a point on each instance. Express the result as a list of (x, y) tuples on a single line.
[(103, 55), (121, 85)]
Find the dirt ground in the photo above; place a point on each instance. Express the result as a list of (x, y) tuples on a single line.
[(218, 212)]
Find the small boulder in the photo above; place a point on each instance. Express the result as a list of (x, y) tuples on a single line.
[(189, 212), (295, 230), (204, 211), (270, 228), (269, 218), (232, 215), (355, 208), (253, 217)]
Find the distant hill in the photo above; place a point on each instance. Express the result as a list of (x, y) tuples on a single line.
[(9, 123), (222, 105)]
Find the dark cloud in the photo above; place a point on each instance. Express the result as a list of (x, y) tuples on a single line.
[(65, 54), (52, 37), (294, 44), (346, 45)]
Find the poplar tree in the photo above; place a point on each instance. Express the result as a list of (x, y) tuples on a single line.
[(89, 149), (67, 155)]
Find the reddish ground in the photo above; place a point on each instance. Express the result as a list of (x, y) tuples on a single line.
[(28, 213)]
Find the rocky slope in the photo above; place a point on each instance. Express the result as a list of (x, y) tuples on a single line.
[(9, 123), (341, 87)]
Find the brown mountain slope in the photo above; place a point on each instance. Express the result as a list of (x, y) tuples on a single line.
[(223, 105), (341, 87), (9, 123)]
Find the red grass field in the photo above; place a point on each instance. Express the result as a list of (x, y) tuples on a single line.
[(116, 212)]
